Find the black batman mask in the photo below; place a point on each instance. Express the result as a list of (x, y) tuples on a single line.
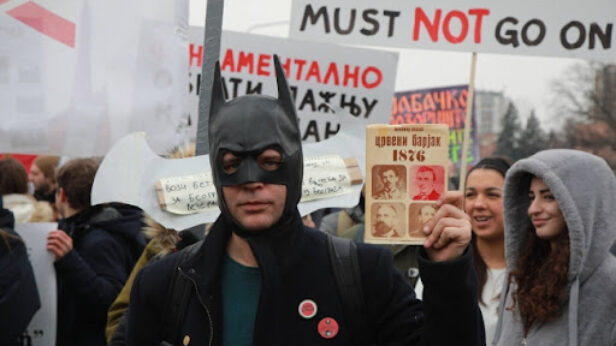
[(247, 126)]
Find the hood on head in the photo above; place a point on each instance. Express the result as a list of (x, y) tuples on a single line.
[(248, 125), (585, 188), (116, 218)]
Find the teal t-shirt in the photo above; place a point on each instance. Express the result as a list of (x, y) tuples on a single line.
[(241, 287)]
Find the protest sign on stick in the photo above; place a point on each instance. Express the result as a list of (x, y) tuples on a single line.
[(211, 52), (468, 121), (572, 29), (321, 77), (443, 105)]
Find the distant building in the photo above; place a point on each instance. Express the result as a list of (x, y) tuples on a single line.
[(490, 107)]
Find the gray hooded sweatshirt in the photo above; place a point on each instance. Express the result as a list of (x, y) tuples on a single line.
[(585, 188)]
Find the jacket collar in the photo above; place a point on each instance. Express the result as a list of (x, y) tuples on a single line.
[(276, 254)]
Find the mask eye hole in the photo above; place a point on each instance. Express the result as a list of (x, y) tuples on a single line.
[(230, 163), (270, 160)]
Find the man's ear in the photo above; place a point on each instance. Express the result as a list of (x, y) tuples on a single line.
[(62, 195)]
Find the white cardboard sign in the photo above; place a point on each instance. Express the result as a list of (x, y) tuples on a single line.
[(361, 81), (572, 29), (42, 328), (130, 171)]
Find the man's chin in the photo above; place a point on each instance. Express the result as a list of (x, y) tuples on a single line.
[(255, 223)]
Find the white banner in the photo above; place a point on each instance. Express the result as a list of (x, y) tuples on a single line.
[(76, 75), (361, 81), (42, 328), (572, 29)]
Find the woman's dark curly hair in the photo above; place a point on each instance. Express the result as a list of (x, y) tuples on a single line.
[(541, 278)]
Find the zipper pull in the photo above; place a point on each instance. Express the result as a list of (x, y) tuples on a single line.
[(523, 343)]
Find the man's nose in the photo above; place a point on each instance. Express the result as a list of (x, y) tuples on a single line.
[(253, 185)]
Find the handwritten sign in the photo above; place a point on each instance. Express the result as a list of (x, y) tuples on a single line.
[(570, 28), (324, 177), (187, 194)]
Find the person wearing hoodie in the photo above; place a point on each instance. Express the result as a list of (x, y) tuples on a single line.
[(559, 225), (261, 277), (95, 249), (19, 298)]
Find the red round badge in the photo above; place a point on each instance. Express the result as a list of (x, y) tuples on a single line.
[(307, 309), (328, 328)]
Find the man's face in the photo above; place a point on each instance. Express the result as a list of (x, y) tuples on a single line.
[(390, 179), (41, 183), (427, 212), (425, 182), (255, 205), (385, 219)]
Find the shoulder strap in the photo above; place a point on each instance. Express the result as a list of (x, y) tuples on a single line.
[(344, 262), (178, 296)]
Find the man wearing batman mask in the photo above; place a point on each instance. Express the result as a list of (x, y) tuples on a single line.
[(262, 278)]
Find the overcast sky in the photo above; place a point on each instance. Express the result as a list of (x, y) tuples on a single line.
[(526, 80)]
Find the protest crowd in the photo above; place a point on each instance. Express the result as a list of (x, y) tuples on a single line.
[(514, 252), (522, 254)]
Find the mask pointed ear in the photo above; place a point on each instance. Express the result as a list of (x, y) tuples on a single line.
[(218, 96), (284, 93)]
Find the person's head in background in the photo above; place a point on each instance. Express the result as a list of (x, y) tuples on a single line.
[(43, 175), (483, 203), (13, 177), (75, 179)]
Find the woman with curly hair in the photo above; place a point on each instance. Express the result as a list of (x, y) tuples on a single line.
[(559, 225)]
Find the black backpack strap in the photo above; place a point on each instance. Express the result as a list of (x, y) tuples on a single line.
[(344, 262), (178, 296)]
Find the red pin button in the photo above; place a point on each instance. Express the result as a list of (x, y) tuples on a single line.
[(328, 328), (307, 309)]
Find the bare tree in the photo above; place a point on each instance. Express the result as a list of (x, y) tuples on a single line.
[(585, 98), (587, 92)]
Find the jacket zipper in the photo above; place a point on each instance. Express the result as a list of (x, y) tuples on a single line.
[(207, 311)]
